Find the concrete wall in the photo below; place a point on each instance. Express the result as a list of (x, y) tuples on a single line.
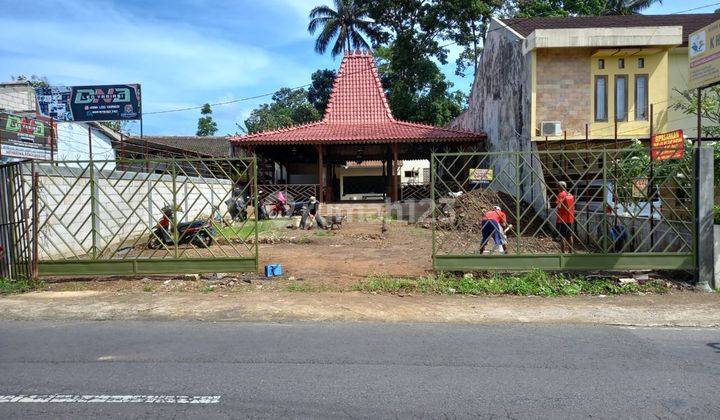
[(73, 143), (126, 208), (677, 119), (17, 97), (717, 255), (562, 85), (500, 105)]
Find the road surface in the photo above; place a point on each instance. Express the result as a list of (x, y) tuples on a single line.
[(339, 370)]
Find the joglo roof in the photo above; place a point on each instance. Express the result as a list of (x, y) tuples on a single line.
[(357, 112)]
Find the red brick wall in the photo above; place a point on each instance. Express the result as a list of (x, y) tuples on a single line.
[(564, 89)]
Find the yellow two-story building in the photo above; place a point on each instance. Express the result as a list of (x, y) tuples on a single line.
[(582, 77)]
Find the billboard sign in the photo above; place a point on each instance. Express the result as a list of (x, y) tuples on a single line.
[(54, 102), (90, 103), (666, 146), (25, 137), (704, 55)]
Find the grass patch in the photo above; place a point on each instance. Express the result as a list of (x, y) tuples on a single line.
[(304, 288), (247, 230), (533, 283), (149, 287), (207, 288), (9, 287)]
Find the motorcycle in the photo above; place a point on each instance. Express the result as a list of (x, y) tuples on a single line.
[(237, 208), (199, 233), (278, 205)]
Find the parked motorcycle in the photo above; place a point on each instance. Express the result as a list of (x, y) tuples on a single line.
[(237, 208), (278, 205), (199, 233)]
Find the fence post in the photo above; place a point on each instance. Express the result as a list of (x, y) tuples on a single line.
[(433, 210), (704, 230), (93, 206), (35, 223), (518, 197), (603, 207), (174, 221), (256, 199)]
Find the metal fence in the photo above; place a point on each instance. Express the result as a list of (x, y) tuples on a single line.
[(145, 216), (413, 191), (292, 192), (630, 212), (16, 252)]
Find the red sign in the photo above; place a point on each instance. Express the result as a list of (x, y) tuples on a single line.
[(667, 145)]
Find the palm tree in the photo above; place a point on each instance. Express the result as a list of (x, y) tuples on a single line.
[(628, 7), (348, 24)]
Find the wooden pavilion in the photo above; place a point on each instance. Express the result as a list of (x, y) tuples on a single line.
[(357, 127)]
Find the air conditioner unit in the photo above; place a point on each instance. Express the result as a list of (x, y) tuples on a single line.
[(550, 128)]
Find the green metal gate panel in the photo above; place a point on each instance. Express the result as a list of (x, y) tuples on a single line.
[(630, 212), (101, 217)]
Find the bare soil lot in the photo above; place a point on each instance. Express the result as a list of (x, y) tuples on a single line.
[(331, 260)]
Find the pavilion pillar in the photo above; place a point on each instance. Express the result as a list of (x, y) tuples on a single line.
[(320, 172), (393, 174)]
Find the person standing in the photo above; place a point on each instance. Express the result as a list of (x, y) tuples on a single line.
[(565, 211), (494, 223)]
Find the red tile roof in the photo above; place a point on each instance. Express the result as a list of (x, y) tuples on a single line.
[(689, 22), (357, 112)]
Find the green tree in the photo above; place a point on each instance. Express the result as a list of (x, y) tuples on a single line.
[(321, 88), (34, 80), (411, 32), (628, 7), (471, 19), (710, 103), (535, 8), (288, 107), (206, 125), (347, 24)]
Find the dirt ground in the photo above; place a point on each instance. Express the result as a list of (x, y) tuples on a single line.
[(356, 251), (332, 260), (686, 309)]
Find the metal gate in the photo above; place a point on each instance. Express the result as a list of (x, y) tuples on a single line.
[(103, 217), (631, 212), (16, 260)]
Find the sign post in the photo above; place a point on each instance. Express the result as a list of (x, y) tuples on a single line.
[(25, 137), (704, 57)]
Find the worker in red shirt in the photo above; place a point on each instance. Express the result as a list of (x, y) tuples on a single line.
[(565, 209), (494, 223)]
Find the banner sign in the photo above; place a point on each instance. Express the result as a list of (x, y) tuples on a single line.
[(54, 102), (666, 146), (25, 137), (90, 103), (704, 54)]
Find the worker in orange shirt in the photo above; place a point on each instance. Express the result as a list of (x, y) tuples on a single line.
[(494, 223), (565, 210)]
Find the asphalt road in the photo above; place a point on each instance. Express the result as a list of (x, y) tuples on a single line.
[(357, 370)]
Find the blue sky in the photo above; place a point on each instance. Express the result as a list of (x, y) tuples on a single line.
[(183, 52)]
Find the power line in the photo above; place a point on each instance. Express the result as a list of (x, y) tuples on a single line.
[(293, 88), (264, 95)]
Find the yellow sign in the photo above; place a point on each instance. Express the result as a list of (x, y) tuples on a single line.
[(704, 55)]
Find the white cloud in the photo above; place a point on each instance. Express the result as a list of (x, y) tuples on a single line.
[(179, 65)]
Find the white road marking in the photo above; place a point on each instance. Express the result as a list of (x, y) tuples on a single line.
[(143, 399)]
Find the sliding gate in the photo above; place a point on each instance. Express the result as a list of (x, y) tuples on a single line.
[(631, 212), (101, 217)]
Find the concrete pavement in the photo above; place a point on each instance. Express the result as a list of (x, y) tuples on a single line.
[(341, 370)]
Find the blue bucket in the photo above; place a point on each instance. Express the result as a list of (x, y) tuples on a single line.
[(273, 270)]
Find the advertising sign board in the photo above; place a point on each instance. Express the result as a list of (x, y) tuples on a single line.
[(704, 55), (25, 137), (667, 145), (90, 103)]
